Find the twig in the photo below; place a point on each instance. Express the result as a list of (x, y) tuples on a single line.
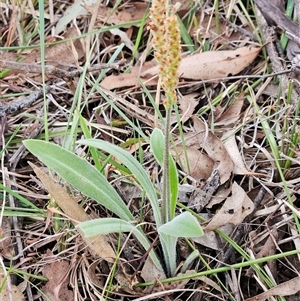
[(49, 69), (18, 105)]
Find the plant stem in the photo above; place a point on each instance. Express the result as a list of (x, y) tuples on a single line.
[(165, 206)]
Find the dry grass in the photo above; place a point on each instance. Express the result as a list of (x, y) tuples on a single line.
[(259, 107)]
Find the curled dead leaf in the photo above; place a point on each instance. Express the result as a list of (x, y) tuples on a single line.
[(234, 153), (232, 114), (199, 165), (214, 148), (57, 288), (187, 104), (234, 210)]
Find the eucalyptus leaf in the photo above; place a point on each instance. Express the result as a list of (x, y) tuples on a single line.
[(80, 174), (182, 225)]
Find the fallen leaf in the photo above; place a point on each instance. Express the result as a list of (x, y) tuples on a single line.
[(8, 290), (98, 245), (170, 285), (235, 155), (129, 79), (210, 238), (206, 65), (230, 144), (187, 104), (124, 37), (268, 249), (6, 243), (214, 148), (234, 210), (213, 64), (199, 165), (287, 288), (56, 288), (72, 12), (61, 55), (129, 12), (220, 195), (232, 114)]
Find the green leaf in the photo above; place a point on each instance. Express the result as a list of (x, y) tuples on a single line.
[(135, 167), (105, 226), (182, 225), (81, 174), (173, 186), (114, 225), (157, 143), (168, 244)]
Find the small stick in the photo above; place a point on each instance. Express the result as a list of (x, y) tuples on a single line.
[(18, 105), (49, 69)]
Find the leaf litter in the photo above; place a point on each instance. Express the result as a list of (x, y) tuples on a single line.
[(222, 155)]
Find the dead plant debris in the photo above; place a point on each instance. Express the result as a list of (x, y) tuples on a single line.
[(235, 141)]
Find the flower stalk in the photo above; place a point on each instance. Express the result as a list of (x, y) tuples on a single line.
[(166, 42)]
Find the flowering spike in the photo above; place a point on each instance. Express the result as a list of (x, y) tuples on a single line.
[(166, 42)]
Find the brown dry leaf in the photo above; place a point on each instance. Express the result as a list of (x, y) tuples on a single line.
[(98, 245), (268, 249), (214, 148), (129, 79), (150, 272), (239, 167), (234, 210), (187, 104), (206, 65), (9, 291), (235, 155), (210, 238), (287, 288), (170, 285), (61, 55), (199, 164), (232, 114), (220, 195), (6, 244), (56, 288), (128, 12), (213, 64)]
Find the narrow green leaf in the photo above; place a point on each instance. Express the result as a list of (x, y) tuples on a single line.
[(79, 173), (168, 244), (104, 226), (182, 225), (173, 186), (114, 225), (87, 134), (135, 167), (157, 141)]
